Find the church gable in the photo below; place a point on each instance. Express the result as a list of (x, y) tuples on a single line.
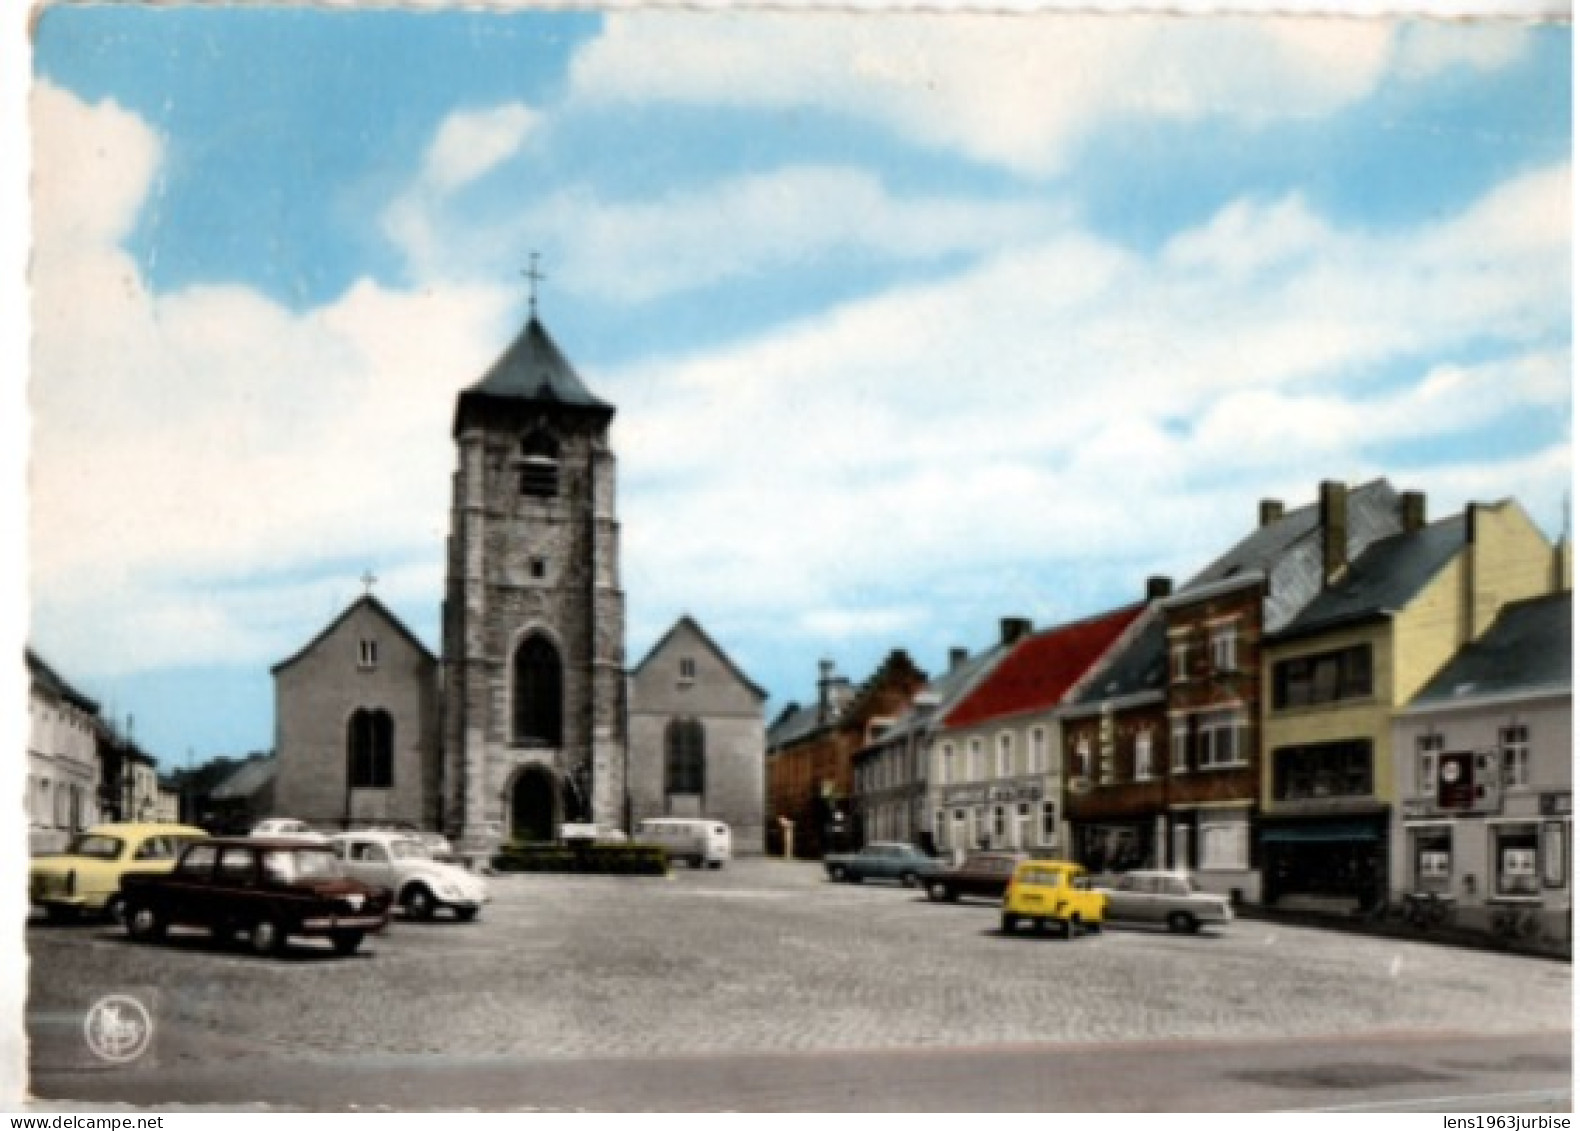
[(686, 671), (356, 715), (696, 736)]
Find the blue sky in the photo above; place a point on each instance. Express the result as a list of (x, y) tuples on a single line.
[(912, 322)]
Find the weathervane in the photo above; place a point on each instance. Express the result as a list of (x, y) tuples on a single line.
[(533, 277)]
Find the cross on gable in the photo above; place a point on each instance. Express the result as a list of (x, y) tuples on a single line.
[(368, 580)]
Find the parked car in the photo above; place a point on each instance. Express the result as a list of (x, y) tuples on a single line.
[(277, 827), (402, 863), (437, 844), (86, 877), (696, 840), (882, 860), (1163, 898), (1052, 893), (269, 890), (984, 874)]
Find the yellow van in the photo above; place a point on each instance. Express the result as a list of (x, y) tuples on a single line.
[(1052, 892)]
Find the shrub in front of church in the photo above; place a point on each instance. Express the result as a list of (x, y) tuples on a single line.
[(591, 859)]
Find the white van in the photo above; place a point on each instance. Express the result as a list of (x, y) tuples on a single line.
[(697, 840)]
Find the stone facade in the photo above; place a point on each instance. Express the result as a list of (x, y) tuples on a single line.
[(365, 661), (688, 681), (533, 572)]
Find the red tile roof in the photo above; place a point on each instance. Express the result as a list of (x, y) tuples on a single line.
[(1043, 668)]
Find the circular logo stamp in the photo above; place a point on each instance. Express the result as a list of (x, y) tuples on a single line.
[(118, 1028)]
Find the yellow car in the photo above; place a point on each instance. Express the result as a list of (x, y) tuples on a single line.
[(87, 876), (1052, 892)]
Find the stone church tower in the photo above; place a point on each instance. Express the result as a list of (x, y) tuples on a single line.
[(534, 617)]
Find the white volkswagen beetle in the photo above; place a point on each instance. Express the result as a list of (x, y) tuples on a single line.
[(402, 863)]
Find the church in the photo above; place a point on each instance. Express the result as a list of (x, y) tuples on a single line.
[(525, 721)]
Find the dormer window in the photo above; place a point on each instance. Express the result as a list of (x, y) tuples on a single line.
[(368, 654), (540, 465)]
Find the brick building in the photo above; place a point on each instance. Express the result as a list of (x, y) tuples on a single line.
[(696, 735), (811, 752)]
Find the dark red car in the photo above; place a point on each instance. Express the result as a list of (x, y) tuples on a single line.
[(984, 874), (268, 890)]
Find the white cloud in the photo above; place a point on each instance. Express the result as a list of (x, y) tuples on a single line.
[(206, 434), (1070, 402), (622, 251), (1013, 435), (1427, 47), (1020, 92), (469, 144)]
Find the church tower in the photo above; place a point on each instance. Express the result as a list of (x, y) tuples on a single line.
[(534, 617)]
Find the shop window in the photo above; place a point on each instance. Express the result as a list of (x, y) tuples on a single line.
[(1514, 858), (1329, 769)]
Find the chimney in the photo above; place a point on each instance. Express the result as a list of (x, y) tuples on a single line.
[(1159, 587), (957, 657), (1414, 510), (825, 687), (1013, 629), (1269, 512), (1333, 511)]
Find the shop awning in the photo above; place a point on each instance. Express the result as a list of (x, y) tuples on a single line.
[(1332, 832)]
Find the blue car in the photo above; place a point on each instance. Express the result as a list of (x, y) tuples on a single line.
[(882, 860)]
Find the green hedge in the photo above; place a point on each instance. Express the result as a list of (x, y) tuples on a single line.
[(589, 859)]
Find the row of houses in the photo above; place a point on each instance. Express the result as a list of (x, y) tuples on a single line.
[(1349, 705), (81, 769)]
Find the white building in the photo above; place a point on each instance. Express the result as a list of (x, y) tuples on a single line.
[(1483, 759), (62, 758)]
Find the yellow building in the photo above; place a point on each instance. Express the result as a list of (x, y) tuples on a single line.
[(1380, 629)]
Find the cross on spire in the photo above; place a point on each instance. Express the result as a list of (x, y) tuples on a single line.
[(368, 581), (533, 277)]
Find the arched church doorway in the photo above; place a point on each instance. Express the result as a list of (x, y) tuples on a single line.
[(532, 805)]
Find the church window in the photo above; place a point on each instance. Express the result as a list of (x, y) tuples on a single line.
[(688, 669), (540, 465), (370, 749), (685, 757), (368, 654), (536, 720)]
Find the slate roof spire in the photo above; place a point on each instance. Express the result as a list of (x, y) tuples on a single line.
[(531, 371)]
